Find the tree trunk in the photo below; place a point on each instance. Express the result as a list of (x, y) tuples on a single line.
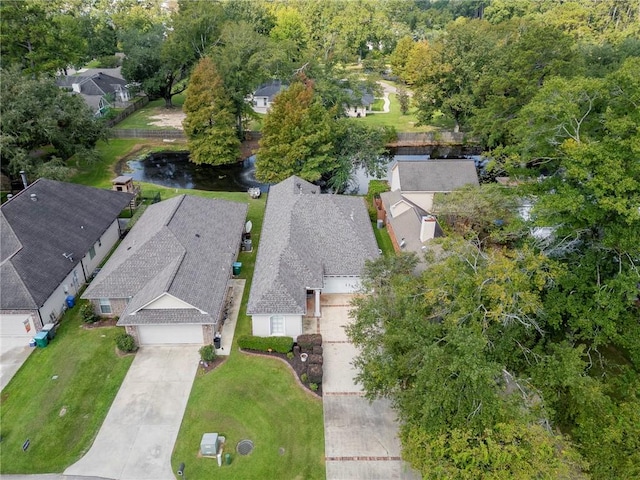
[(167, 101)]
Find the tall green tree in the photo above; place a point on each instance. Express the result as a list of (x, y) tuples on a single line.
[(210, 122), (297, 137), (35, 113)]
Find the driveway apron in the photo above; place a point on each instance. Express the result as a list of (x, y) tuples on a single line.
[(137, 437), (361, 437)]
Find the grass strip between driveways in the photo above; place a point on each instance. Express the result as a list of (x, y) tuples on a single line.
[(60, 416)]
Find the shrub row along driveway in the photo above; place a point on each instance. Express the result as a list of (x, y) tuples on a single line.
[(137, 437), (360, 436)]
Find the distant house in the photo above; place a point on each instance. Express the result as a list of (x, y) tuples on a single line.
[(53, 236), (168, 280), (312, 244), (358, 105), (413, 187), (100, 89), (264, 96)]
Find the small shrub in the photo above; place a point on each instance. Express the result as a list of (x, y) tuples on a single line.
[(290, 355), (266, 344), (126, 343), (307, 341), (304, 378), (87, 313), (207, 353), (313, 387)]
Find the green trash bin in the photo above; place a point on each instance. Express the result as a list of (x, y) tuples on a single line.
[(227, 458), (42, 339), (237, 266)]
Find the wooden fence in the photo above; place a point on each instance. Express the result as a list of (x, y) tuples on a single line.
[(137, 104), (142, 133)]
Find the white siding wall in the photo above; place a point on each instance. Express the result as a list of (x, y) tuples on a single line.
[(56, 303), (423, 200), (261, 325), (167, 301), (341, 284), (102, 248), (16, 325), (395, 178)]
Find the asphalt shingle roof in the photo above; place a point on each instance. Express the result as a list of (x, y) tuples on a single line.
[(270, 90), (436, 175), (307, 235), (184, 247), (66, 219)]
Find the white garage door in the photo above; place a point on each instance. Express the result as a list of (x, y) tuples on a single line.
[(170, 334), (341, 284), (17, 325)]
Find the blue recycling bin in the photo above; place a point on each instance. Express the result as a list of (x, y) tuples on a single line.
[(71, 301)]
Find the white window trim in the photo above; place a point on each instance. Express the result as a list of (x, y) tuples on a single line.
[(272, 332), (105, 302)]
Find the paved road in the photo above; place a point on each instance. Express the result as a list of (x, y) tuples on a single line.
[(361, 440)]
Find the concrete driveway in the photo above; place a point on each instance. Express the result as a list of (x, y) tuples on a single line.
[(361, 439), (14, 351), (137, 437)]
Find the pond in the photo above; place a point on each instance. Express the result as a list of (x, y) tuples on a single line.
[(174, 170)]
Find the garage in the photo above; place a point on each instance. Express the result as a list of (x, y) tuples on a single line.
[(17, 325), (170, 334), (341, 284)]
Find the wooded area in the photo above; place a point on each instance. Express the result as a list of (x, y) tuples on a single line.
[(512, 355)]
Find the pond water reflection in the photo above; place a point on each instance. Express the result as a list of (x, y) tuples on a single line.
[(174, 170)]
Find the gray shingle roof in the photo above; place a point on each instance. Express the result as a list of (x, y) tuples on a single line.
[(65, 219), (436, 175), (184, 247), (270, 90), (306, 235)]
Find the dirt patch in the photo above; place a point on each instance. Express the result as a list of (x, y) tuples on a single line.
[(169, 118)]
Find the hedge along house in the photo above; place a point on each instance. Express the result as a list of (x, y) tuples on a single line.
[(168, 280), (311, 244), (54, 236)]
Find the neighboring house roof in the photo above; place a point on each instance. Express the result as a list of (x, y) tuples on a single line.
[(37, 232), (307, 235), (183, 247), (270, 90), (94, 84), (365, 98), (435, 175)]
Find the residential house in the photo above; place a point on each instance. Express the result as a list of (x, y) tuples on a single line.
[(53, 236), (99, 89), (311, 244), (358, 105), (263, 97), (408, 205), (169, 278)]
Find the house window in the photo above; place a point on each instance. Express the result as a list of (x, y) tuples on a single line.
[(264, 100), (92, 252), (277, 325), (105, 306)]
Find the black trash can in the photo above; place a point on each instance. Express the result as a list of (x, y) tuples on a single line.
[(216, 341)]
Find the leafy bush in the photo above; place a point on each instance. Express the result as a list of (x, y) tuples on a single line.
[(88, 314), (108, 61), (307, 341), (207, 353), (266, 344), (290, 355), (313, 387), (126, 343), (304, 378)]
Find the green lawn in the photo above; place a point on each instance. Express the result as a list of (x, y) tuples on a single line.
[(89, 374), (384, 240)]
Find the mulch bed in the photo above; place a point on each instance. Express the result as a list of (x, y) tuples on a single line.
[(107, 322), (206, 367)]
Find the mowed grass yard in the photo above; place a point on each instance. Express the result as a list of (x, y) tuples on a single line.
[(245, 397), (59, 398)]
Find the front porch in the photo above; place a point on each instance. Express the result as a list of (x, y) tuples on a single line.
[(328, 302)]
